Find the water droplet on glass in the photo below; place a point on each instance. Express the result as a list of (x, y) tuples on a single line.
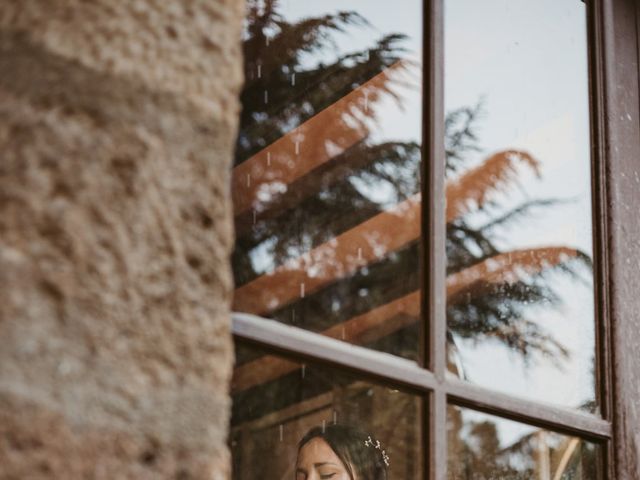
[(324, 425), (266, 97), (281, 432), (302, 290), (304, 368), (293, 79)]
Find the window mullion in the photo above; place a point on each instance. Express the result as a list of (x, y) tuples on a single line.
[(434, 233), (604, 351)]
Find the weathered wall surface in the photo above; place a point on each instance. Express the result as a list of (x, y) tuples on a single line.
[(117, 124)]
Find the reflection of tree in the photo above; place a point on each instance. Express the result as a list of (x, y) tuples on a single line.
[(490, 290), (476, 452), (495, 304), (275, 50)]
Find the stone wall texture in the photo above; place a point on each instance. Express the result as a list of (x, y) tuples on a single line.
[(117, 125)]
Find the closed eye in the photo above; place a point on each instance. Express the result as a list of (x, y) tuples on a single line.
[(325, 477)]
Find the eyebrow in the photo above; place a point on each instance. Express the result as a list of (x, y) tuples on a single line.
[(319, 464)]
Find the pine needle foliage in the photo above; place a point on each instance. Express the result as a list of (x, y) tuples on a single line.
[(285, 87)]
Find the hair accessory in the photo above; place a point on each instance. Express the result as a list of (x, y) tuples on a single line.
[(369, 442)]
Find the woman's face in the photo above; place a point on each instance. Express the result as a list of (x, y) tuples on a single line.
[(317, 461)]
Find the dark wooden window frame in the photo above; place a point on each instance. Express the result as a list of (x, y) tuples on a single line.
[(614, 27)]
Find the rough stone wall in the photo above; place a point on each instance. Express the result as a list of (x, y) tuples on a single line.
[(117, 124)]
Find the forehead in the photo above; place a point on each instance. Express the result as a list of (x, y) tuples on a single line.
[(317, 450)]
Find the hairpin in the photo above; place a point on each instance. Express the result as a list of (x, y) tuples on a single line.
[(370, 443)]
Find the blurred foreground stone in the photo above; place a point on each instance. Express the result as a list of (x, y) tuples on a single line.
[(117, 125)]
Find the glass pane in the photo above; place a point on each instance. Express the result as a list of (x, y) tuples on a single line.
[(482, 447), (520, 295), (277, 402), (326, 183)]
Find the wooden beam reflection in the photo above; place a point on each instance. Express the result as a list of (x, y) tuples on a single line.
[(324, 136), (338, 258), (362, 329), (386, 319)]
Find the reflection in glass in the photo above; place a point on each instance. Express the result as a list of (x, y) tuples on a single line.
[(483, 447), (519, 251), (326, 183), (272, 413)]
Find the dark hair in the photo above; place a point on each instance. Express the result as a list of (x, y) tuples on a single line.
[(362, 459)]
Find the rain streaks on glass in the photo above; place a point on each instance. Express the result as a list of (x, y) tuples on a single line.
[(370, 429), (326, 182), (483, 447), (520, 299)]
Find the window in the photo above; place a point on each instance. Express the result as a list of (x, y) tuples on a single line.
[(422, 259)]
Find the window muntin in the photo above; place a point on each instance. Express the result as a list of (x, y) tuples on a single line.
[(326, 184), (520, 310)]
